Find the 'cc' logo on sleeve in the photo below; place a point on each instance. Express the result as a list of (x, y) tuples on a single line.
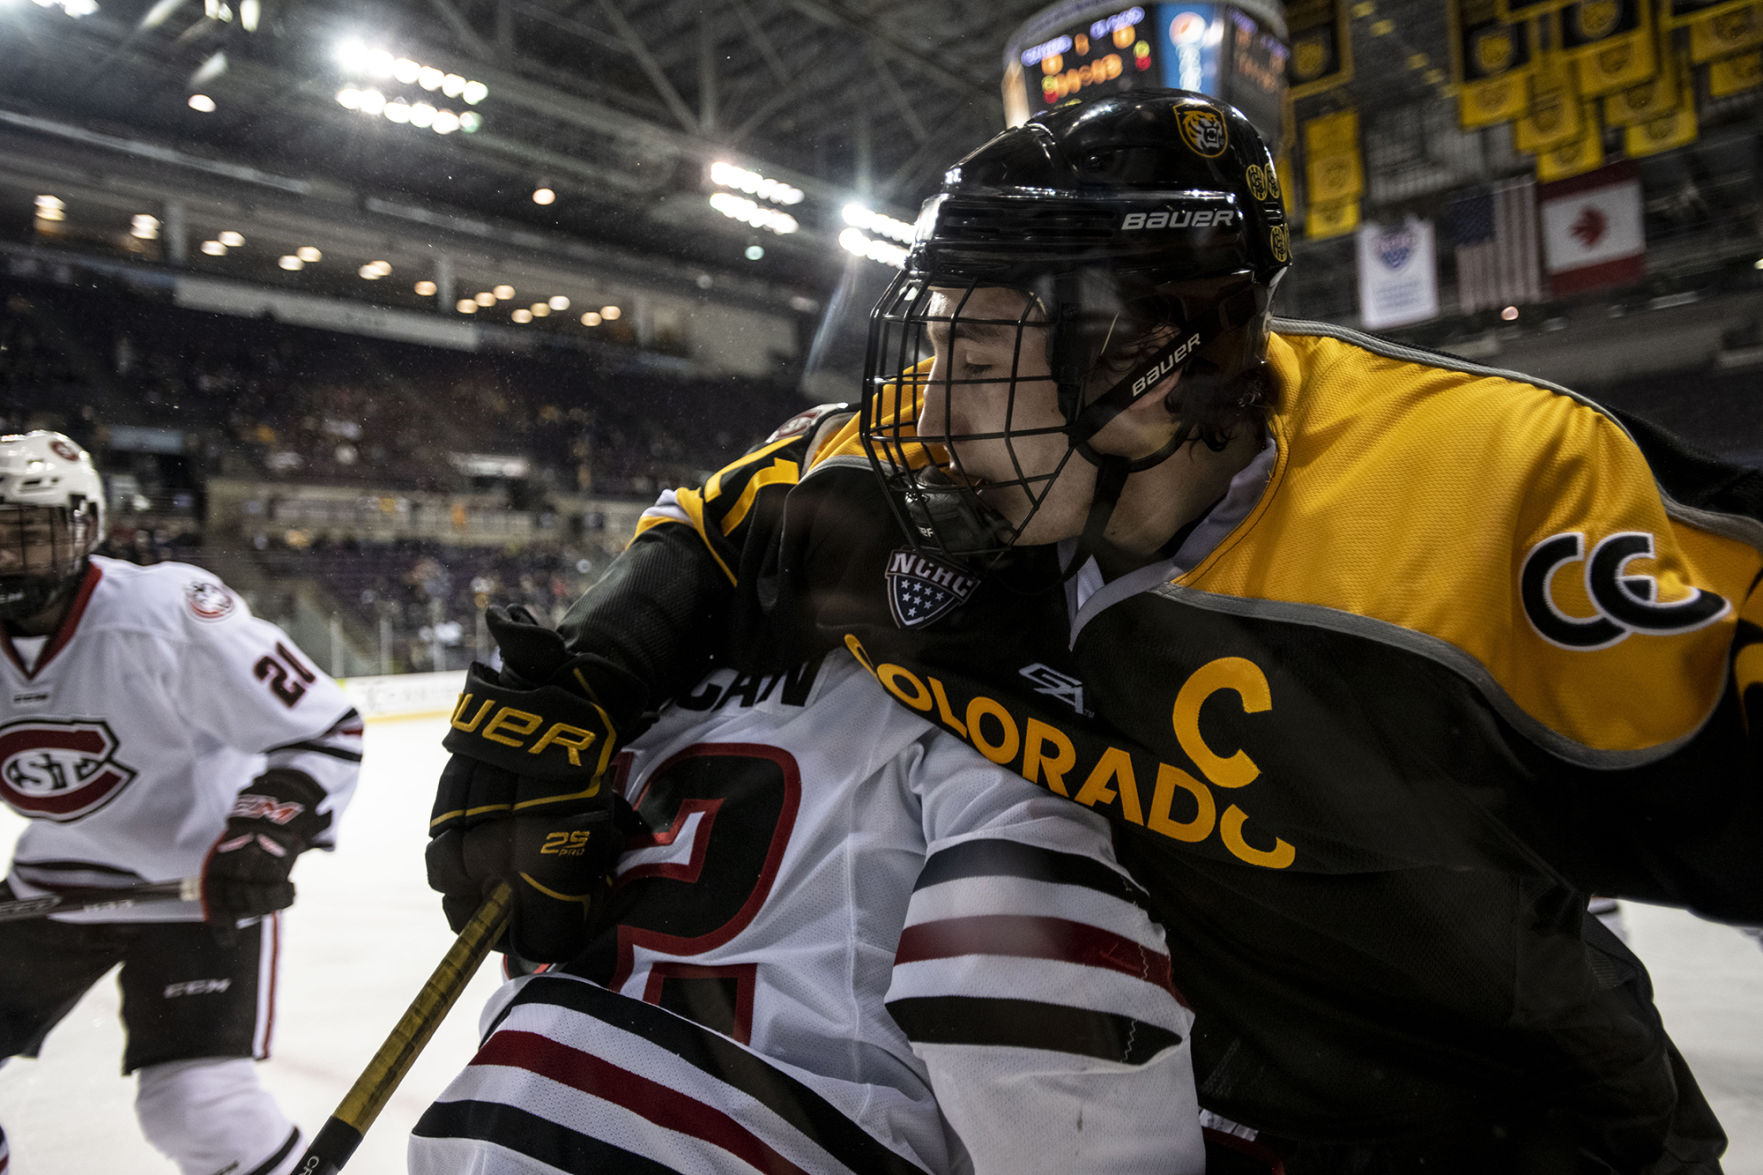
[(1625, 602)]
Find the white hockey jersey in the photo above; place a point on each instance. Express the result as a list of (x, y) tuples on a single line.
[(798, 827), (126, 736)]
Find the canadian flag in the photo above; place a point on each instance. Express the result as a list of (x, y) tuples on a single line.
[(1592, 232)]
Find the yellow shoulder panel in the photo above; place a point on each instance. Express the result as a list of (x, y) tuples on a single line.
[(1513, 521)]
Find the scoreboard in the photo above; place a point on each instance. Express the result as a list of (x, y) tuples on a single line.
[(1236, 51)]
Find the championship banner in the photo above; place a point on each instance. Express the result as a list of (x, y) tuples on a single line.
[(1592, 230), (1735, 75), (1398, 274), (1655, 98), (1677, 128), (1555, 113), (1725, 32), (1490, 63), (1576, 156), (1333, 172), (1322, 221), (1322, 46), (1611, 43)]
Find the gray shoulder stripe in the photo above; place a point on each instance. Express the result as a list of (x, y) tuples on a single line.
[(1440, 651), (1733, 526)]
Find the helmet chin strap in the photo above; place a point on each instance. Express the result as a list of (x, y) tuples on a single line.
[(1112, 470)]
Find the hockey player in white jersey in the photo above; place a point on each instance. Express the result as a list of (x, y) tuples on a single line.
[(152, 729), (841, 941)]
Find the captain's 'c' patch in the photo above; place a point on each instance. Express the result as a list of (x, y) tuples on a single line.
[(1623, 602)]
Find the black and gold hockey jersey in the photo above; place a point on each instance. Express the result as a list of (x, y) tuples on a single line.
[(1456, 649)]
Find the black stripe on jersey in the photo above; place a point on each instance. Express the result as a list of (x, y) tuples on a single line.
[(725, 1061), (1008, 858), (973, 1020), (49, 868), (528, 1134), (318, 749)]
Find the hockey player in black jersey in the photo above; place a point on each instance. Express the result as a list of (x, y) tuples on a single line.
[(1379, 661)]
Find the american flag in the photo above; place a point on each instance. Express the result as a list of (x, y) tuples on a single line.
[(1497, 258)]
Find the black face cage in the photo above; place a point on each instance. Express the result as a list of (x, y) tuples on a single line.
[(43, 552), (935, 498)]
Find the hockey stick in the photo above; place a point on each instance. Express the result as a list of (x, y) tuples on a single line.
[(94, 899), (342, 1133)]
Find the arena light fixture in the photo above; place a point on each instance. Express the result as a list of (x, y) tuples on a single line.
[(503, 292), (610, 313), (202, 103), (541, 309), (309, 254), (589, 318), (877, 224), (290, 262), (465, 306), (728, 175), (522, 315), (544, 196), (426, 289), (54, 202), (216, 249), (485, 298), (557, 302), (853, 240), (755, 252), (748, 212), (230, 239), (53, 213), (144, 227)]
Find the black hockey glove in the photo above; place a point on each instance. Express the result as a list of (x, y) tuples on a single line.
[(525, 797), (272, 822)]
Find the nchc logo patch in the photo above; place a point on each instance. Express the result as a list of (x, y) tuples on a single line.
[(921, 589), (1623, 602), (60, 770)]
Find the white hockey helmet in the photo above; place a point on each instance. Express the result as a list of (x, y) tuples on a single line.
[(45, 476)]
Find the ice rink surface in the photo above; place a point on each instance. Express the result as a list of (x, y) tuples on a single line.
[(366, 932)]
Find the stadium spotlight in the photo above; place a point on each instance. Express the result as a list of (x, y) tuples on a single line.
[(755, 252), (290, 262), (406, 71), (1510, 314), (610, 313), (474, 92), (1757, 264), (230, 239), (216, 249), (430, 78), (426, 289), (422, 114), (398, 110), (470, 121), (589, 318), (503, 292), (465, 306), (485, 298), (369, 273), (522, 315), (446, 122), (541, 309), (50, 202), (144, 227), (349, 98), (558, 302), (452, 85), (309, 254), (250, 12), (543, 196), (202, 103)]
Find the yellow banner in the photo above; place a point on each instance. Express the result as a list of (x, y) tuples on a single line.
[(1675, 129), (1334, 177), (1734, 75), (1653, 98), (1331, 220), (1332, 132), (1724, 33), (1629, 61), (1555, 115), (1576, 156), (1500, 99)]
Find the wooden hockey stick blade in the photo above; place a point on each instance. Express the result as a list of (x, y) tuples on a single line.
[(336, 1141), (95, 898)]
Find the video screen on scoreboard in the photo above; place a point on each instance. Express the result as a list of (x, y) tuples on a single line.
[(1106, 55)]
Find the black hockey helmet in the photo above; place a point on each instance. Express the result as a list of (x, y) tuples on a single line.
[(51, 519), (1148, 233)]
